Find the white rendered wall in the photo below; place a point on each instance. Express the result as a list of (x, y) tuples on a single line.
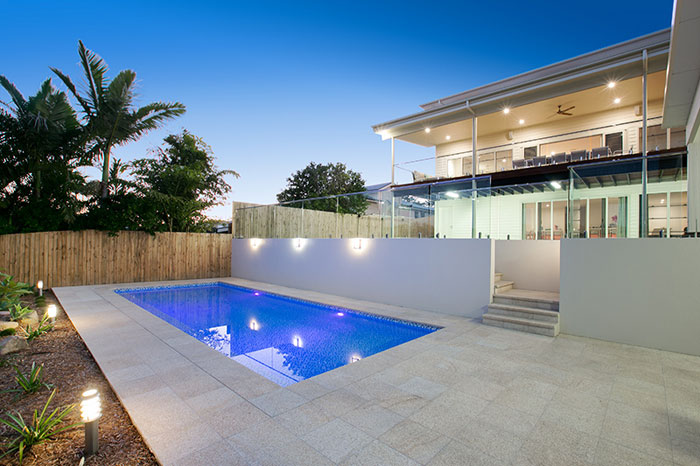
[(637, 291), (530, 265), (694, 184), (447, 276)]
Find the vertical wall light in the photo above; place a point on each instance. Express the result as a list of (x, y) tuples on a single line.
[(90, 412), (357, 243), (254, 242), (299, 243), (296, 341)]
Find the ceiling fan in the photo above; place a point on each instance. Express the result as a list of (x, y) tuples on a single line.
[(565, 111)]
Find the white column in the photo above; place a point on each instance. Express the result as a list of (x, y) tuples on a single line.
[(475, 163), (645, 207), (694, 185), (393, 159)]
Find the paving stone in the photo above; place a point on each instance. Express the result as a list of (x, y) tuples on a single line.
[(337, 439)]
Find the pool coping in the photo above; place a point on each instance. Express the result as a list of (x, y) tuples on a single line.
[(170, 383)]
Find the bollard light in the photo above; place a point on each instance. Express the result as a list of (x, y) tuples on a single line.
[(40, 285), (357, 243), (51, 312), (90, 412)]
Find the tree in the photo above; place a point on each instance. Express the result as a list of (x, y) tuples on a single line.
[(107, 107), (319, 180), (41, 148), (180, 183)]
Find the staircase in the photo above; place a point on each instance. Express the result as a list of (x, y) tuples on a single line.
[(524, 310)]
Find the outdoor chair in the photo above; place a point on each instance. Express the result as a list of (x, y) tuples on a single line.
[(560, 158), (520, 163), (599, 152), (577, 155), (537, 161)]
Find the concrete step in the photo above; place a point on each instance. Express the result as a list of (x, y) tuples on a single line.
[(526, 301), (502, 285), (524, 325), (497, 276), (521, 312)]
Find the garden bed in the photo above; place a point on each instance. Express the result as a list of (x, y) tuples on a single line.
[(70, 368)]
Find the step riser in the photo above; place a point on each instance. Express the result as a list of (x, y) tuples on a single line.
[(523, 315), (497, 277), (550, 332), (546, 305), (501, 289)]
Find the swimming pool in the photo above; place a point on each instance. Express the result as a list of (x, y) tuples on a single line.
[(284, 339)]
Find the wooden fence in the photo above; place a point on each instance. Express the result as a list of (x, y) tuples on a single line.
[(68, 258), (288, 222)]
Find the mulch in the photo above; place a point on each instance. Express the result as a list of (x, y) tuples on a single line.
[(69, 366)]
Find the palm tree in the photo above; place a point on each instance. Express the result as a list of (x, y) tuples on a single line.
[(110, 117), (39, 128)]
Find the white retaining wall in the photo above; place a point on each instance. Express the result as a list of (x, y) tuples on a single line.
[(531, 265), (638, 291), (451, 276)]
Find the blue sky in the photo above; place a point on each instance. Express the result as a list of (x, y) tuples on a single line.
[(272, 86)]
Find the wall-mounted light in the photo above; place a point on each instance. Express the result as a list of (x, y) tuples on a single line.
[(254, 325), (521, 121), (427, 130), (40, 287), (257, 293), (357, 243), (355, 358), (617, 100), (255, 242), (506, 110), (452, 194), (555, 184), (448, 137), (296, 341), (298, 243), (90, 412), (51, 312), (340, 314)]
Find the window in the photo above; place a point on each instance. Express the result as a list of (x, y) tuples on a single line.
[(668, 214), (656, 138), (614, 142), (677, 137), (467, 165), (529, 219), (584, 143), (487, 163), (504, 160), (530, 152), (617, 217)]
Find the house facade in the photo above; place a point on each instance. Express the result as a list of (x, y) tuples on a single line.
[(580, 148)]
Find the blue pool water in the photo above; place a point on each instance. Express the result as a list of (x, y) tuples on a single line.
[(284, 339)]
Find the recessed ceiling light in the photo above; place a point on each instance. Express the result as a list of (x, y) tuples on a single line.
[(555, 184), (448, 137), (427, 130), (506, 110), (521, 121), (452, 194), (611, 84), (617, 100)]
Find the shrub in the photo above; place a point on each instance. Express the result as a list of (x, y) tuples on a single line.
[(31, 383), (44, 326), (11, 290), (17, 312), (42, 428), (7, 332)]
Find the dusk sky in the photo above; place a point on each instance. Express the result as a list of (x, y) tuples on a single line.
[(272, 86)]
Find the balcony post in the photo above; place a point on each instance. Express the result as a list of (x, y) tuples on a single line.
[(393, 159), (645, 206), (474, 165)]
